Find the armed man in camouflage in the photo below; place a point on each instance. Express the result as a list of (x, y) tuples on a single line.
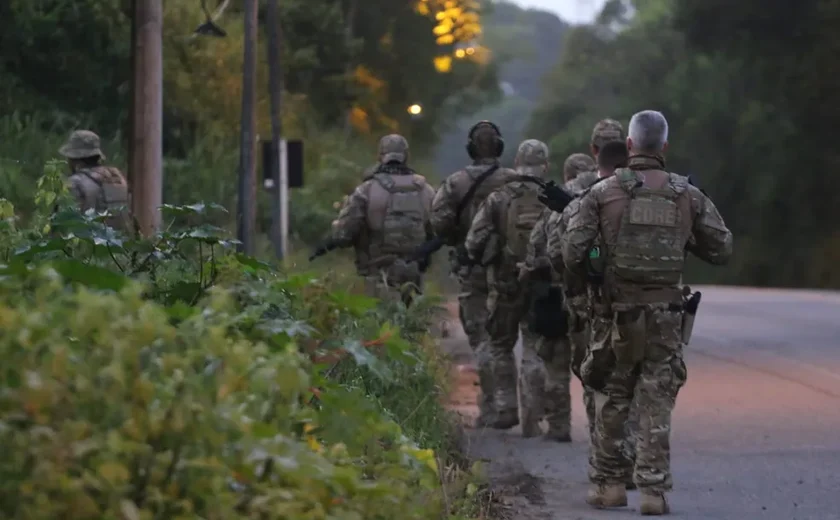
[(553, 349), (384, 220), (579, 172), (647, 219), (453, 210), (94, 185), (498, 239)]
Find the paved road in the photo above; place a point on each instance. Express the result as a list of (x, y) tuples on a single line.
[(756, 434)]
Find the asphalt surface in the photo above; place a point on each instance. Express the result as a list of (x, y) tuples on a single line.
[(756, 431)]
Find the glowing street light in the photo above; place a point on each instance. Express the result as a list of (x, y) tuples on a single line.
[(460, 53), (415, 109)]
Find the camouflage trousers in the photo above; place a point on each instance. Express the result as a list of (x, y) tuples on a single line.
[(496, 362), (472, 312), (648, 375), (544, 383)]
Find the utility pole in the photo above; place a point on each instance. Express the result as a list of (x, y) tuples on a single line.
[(247, 207), (146, 146), (280, 210)]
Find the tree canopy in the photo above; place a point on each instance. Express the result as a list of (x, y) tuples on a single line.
[(345, 61), (745, 88)]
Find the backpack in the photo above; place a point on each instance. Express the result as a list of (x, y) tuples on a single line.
[(522, 215), (403, 226), (649, 248), (113, 194)]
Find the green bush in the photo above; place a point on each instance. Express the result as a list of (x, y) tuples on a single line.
[(109, 409), (173, 378)]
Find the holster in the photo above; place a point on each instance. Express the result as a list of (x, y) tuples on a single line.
[(599, 361)]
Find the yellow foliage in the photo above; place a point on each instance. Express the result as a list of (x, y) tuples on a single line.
[(442, 29), (359, 119), (443, 63), (457, 19), (365, 78)]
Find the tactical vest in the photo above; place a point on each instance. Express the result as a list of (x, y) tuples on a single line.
[(649, 248), (521, 216), (401, 227), (112, 194)]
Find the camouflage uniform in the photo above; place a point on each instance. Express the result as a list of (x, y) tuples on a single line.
[(472, 299), (646, 223), (385, 219), (94, 185), (554, 352), (582, 298), (498, 239), (580, 172)]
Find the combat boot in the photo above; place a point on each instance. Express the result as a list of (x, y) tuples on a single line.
[(653, 504), (601, 496), (506, 419)]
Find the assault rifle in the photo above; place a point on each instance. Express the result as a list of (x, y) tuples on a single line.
[(323, 248), (552, 196)]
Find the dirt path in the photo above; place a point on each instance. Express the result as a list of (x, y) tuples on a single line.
[(520, 492)]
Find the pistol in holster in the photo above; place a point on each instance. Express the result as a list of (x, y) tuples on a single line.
[(691, 301)]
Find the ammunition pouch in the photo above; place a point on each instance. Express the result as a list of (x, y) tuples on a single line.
[(396, 271)]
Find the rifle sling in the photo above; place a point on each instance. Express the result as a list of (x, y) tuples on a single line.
[(473, 188)]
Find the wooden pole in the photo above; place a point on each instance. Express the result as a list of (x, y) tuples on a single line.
[(247, 207), (275, 88), (146, 167)]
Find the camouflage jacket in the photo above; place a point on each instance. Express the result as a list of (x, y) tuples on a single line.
[(453, 189)]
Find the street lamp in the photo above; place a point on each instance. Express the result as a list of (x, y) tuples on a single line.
[(415, 109)]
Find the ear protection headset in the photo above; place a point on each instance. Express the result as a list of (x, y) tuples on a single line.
[(471, 148)]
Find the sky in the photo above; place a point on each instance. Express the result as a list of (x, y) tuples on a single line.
[(574, 11)]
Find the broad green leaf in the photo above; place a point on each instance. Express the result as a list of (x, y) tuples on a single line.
[(89, 275), (252, 262), (365, 358)]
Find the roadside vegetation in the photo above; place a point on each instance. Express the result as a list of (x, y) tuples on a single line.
[(171, 377)]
